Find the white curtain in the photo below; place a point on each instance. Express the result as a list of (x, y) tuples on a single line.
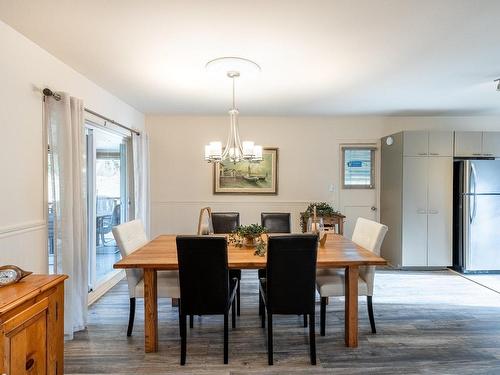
[(140, 151), (64, 122)]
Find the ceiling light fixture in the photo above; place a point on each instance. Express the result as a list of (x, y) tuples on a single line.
[(234, 150)]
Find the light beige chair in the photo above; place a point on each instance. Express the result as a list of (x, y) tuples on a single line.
[(130, 237), (330, 283)]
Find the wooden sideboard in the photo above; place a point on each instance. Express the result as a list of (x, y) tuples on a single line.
[(32, 326), (331, 222)]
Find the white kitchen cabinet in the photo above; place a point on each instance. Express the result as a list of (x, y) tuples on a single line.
[(416, 200), (441, 143), (468, 144), (423, 143), (416, 143), (415, 175), (440, 208), (477, 144), (491, 144)]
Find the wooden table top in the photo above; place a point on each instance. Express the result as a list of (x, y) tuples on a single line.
[(161, 253)]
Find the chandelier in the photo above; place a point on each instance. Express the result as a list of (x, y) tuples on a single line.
[(235, 150)]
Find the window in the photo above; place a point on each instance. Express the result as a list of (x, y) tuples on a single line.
[(358, 170)]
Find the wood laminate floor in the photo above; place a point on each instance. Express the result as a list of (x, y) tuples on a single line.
[(427, 322)]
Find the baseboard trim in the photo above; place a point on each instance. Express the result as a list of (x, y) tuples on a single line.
[(105, 286)]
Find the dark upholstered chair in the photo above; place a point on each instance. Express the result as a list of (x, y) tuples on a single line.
[(205, 286), (276, 222), (224, 223), (290, 284)]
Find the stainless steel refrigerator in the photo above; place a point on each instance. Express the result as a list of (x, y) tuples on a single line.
[(477, 215)]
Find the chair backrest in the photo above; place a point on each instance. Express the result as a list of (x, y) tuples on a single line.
[(276, 222), (130, 236), (203, 274), (291, 273), (225, 222), (205, 222), (369, 234)]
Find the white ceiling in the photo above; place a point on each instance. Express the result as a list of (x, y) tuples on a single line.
[(332, 57)]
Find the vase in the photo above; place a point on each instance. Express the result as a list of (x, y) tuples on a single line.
[(250, 241), (315, 226)]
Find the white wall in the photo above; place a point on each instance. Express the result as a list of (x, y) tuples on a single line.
[(181, 181), (24, 67)]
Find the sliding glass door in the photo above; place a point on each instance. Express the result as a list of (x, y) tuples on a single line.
[(108, 199)]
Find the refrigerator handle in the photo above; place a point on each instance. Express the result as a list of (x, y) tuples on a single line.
[(473, 191)]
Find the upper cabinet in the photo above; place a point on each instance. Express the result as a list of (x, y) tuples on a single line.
[(416, 143), (470, 144), (491, 144), (441, 143), (424, 143)]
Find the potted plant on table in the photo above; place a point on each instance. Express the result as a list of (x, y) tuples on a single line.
[(249, 236)]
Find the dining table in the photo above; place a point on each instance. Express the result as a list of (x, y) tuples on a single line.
[(161, 254)]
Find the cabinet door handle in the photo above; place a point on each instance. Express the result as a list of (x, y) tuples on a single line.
[(434, 153), (422, 153), (433, 212), (476, 154), (420, 211), (488, 154)]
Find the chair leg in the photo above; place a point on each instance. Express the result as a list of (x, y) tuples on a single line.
[(305, 320), (131, 317), (238, 292), (270, 338), (191, 321), (312, 338), (370, 313), (233, 314), (322, 318), (226, 337), (183, 339)]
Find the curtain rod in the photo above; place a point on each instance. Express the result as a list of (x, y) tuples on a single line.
[(56, 96)]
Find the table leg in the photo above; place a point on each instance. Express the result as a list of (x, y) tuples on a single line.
[(351, 306), (150, 311)]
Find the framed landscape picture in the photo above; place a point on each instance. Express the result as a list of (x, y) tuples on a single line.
[(246, 177)]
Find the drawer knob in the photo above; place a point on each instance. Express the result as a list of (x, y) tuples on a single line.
[(29, 364)]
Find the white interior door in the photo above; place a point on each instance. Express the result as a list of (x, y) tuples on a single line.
[(359, 182)]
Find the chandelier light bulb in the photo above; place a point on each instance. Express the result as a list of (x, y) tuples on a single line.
[(257, 152), (248, 149)]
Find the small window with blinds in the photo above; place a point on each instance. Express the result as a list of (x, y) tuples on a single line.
[(358, 170)]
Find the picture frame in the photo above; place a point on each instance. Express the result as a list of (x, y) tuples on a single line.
[(246, 177)]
